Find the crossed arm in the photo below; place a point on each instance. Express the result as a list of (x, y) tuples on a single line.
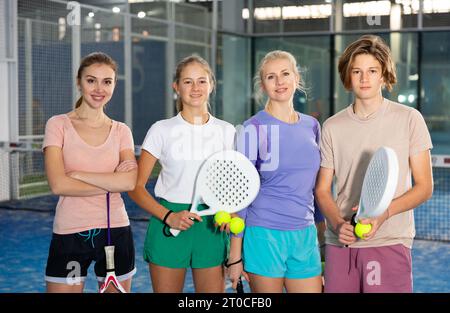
[(80, 184)]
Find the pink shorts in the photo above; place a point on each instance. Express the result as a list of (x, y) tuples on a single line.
[(379, 269)]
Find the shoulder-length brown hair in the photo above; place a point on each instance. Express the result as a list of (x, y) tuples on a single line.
[(375, 46)]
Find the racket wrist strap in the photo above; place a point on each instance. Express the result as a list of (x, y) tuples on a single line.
[(227, 265), (166, 216), (166, 228)]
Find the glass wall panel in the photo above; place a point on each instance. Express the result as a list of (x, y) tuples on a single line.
[(231, 15), (149, 70), (148, 28), (436, 14), (273, 16), (234, 83), (193, 14), (306, 16), (44, 65), (153, 9), (435, 86), (375, 15), (267, 16), (105, 32), (149, 85)]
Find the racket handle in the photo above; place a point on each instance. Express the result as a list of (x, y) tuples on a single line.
[(239, 287), (109, 252), (353, 223), (174, 232), (353, 220)]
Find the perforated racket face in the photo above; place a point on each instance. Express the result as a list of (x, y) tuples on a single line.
[(379, 183), (230, 182)]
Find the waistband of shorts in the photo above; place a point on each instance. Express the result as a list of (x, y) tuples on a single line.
[(177, 207)]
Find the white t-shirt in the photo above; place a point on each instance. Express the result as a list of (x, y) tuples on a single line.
[(181, 148)]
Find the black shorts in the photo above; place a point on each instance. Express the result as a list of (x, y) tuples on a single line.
[(70, 255)]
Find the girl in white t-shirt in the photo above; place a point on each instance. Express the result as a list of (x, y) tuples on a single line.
[(180, 144)]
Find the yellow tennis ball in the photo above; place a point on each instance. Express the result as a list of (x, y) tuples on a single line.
[(237, 225), (361, 229), (222, 217)]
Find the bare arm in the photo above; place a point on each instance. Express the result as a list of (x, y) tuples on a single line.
[(235, 271), (62, 184), (123, 179), (342, 228), (145, 200)]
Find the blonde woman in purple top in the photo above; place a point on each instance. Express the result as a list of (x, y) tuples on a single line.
[(279, 247)]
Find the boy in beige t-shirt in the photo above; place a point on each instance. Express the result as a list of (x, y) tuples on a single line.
[(381, 260)]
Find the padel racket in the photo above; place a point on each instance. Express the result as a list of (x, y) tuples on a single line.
[(110, 268), (379, 185), (226, 181)]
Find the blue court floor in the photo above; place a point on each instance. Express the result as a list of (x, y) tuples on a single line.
[(25, 238)]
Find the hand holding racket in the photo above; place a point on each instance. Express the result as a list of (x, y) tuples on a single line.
[(226, 181), (235, 272), (379, 185)]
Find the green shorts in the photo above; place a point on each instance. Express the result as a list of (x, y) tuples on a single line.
[(201, 246)]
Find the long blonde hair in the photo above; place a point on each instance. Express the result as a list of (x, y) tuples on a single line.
[(185, 62), (94, 58), (275, 55)]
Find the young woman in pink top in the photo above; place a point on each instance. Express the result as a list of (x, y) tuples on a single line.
[(87, 156)]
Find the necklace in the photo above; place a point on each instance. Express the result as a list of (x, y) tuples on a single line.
[(84, 120), (292, 115)]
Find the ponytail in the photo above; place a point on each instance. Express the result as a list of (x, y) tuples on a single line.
[(78, 103), (179, 104)]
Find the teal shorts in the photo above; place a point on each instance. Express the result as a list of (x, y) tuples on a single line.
[(292, 254), (200, 246)]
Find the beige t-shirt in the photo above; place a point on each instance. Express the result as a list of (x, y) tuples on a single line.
[(347, 145), (77, 214)]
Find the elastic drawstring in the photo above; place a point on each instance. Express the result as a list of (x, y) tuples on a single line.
[(90, 235), (349, 260), (351, 251)]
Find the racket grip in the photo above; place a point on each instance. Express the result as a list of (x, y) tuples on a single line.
[(353, 220), (174, 232), (239, 287), (353, 223), (109, 252)]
